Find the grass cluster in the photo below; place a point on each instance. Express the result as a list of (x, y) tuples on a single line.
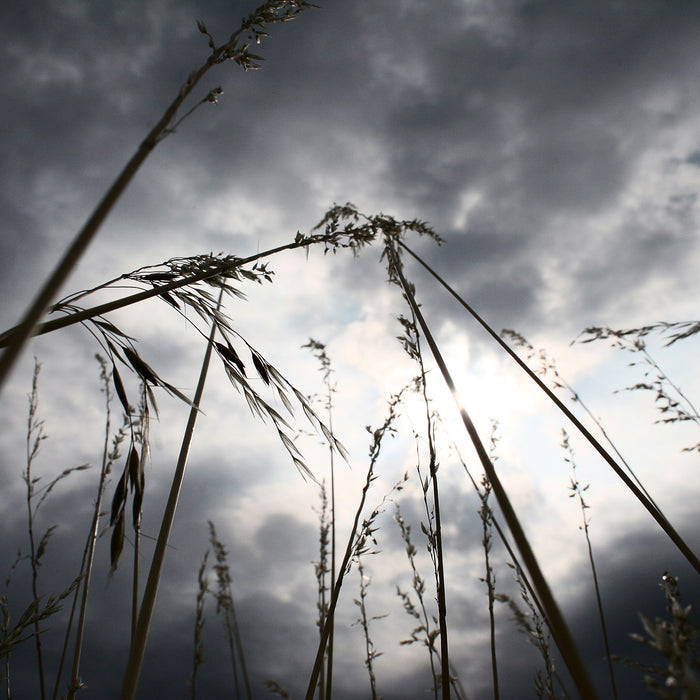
[(196, 288)]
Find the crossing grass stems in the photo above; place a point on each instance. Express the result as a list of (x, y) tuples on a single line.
[(202, 283)]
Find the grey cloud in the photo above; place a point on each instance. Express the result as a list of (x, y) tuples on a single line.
[(509, 129)]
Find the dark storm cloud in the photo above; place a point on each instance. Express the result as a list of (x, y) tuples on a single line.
[(508, 128), (549, 122), (71, 77)]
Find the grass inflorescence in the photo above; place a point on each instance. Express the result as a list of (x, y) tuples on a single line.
[(196, 289)]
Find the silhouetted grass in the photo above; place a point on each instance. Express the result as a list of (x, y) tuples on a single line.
[(195, 289)]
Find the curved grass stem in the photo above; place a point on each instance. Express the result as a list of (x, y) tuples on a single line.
[(269, 12)]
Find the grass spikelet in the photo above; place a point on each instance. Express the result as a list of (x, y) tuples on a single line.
[(359, 535), (321, 571), (486, 515), (198, 655), (535, 630), (577, 491), (548, 369), (275, 688), (673, 404), (225, 605), (424, 633), (677, 639), (371, 653)]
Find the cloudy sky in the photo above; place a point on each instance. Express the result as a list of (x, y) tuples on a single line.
[(554, 146)]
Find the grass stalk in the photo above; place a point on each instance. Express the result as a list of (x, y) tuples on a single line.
[(355, 540), (36, 496), (418, 585), (198, 655), (5, 626), (135, 576), (86, 568), (364, 621), (225, 602), (528, 593), (319, 349), (137, 509), (536, 630), (577, 492), (35, 436), (486, 515), (650, 507), (559, 628), (506, 542), (138, 644), (411, 343), (270, 12), (321, 570), (331, 636), (439, 561)]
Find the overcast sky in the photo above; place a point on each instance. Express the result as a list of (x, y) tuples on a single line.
[(554, 146)]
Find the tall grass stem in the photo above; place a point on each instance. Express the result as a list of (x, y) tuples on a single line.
[(559, 628), (440, 561), (350, 548), (650, 507), (269, 12), (577, 491), (138, 645), (86, 569), (35, 435)]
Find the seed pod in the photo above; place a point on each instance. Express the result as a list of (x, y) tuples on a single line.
[(260, 367), (117, 542), (119, 387)]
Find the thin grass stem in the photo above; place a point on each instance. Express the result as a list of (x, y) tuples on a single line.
[(89, 555), (321, 570), (271, 11), (486, 515), (439, 561), (559, 628), (577, 492), (364, 621), (331, 636), (650, 507), (326, 682), (506, 542), (4, 607), (198, 654), (418, 585), (352, 545), (138, 645), (35, 435), (225, 602)]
